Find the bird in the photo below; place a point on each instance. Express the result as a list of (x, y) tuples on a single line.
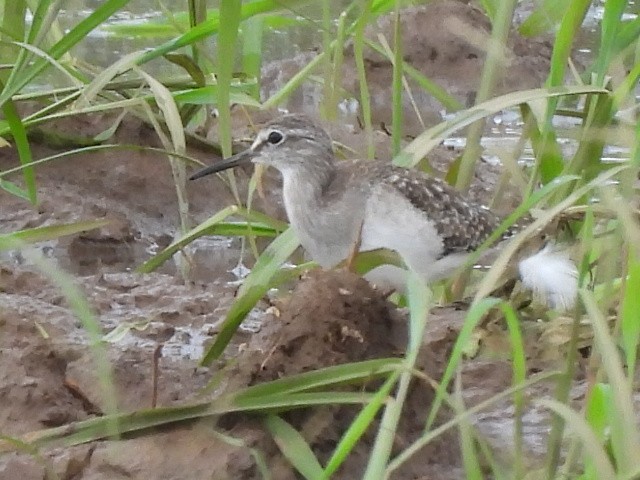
[(334, 205)]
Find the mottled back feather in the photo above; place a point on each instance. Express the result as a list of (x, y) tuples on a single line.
[(463, 225)]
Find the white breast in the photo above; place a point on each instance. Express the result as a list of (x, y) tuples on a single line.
[(327, 232), (392, 222)]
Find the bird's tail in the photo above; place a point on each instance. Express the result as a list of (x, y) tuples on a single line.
[(552, 276)]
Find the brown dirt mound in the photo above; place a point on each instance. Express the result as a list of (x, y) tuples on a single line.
[(332, 318)]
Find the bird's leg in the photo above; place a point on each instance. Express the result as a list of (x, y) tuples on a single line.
[(355, 248)]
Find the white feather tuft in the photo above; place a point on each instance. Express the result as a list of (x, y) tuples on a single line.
[(552, 275)]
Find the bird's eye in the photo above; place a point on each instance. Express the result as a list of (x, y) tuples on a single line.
[(275, 137)]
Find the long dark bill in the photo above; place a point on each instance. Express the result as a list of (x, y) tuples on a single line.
[(231, 162)]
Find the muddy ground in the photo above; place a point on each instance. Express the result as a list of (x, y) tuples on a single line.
[(48, 372)]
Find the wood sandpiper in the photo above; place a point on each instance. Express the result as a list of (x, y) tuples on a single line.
[(332, 205)]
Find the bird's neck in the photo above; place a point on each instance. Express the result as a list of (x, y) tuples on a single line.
[(309, 185), (315, 213)]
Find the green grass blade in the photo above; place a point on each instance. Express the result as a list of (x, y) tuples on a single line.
[(546, 148), (628, 34), (597, 412), (328, 107), (490, 7), (358, 54), (587, 160), (75, 35), (23, 447), (294, 400), (51, 232), (230, 13), (543, 220), (194, 35), (493, 65), (212, 25), (288, 275), (13, 18), (567, 33), (338, 60), (432, 88), (359, 425), (208, 95), (179, 23), (625, 438), (98, 84), (242, 229), (257, 455), (173, 122), (43, 30), (468, 446), (630, 324), (42, 22), (98, 148), (14, 189), (396, 84), (364, 262), (519, 366), (253, 289), (189, 66), (85, 431), (19, 133), (589, 440), (202, 229), (257, 224), (324, 377), (432, 137), (197, 14), (428, 437), (252, 52), (544, 18), (532, 201), (80, 307), (548, 158), (256, 217), (294, 447), (474, 315), (69, 74), (97, 428), (565, 381), (419, 298), (609, 29)]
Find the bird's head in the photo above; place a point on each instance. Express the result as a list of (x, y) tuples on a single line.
[(291, 143)]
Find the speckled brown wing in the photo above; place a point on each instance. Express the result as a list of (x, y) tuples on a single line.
[(463, 225)]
